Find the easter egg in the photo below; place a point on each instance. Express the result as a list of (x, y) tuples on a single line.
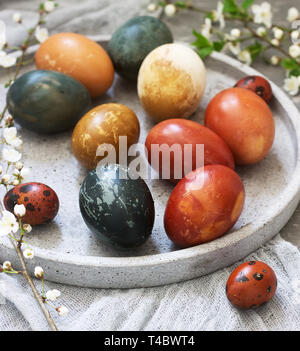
[(258, 85), (47, 102), (133, 41), (104, 124), (171, 82), (119, 210), (179, 134), (244, 121), (251, 285), (40, 201), (79, 57), (204, 205)]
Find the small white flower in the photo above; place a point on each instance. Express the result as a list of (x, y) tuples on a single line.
[(19, 210), (293, 14), (295, 35), (52, 295), (275, 42), (11, 155), (170, 10), (41, 34), (17, 17), (16, 182), (262, 14), (62, 311), (218, 14), (2, 35), (235, 33), (8, 223), (291, 85), (49, 6), (28, 253), (24, 173), (27, 228), (261, 31), (234, 48), (7, 61), (206, 28), (152, 7), (19, 165), (245, 56), (278, 33), (39, 272), (10, 136), (7, 265), (294, 51), (275, 60), (5, 178)]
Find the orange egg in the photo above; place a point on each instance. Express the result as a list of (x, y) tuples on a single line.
[(78, 57)]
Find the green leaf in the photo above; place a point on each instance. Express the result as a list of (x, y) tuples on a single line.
[(246, 4), (289, 64), (201, 41), (204, 52), (230, 6), (181, 4), (209, 15), (295, 72), (255, 49), (218, 45)]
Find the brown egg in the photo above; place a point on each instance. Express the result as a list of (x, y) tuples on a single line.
[(103, 124), (79, 57), (251, 285)]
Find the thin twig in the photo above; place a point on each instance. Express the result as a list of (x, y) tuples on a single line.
[(24, 48), (33, 288)]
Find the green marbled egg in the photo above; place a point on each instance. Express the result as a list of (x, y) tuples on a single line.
[(47, 101), (133, 41), (119, 211)]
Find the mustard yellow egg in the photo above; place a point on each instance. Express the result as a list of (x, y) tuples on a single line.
[(171, 82), (79, 57)]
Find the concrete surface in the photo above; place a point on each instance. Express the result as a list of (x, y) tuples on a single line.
[(103, 16)]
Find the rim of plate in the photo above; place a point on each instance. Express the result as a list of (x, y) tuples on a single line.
[(290, 193)]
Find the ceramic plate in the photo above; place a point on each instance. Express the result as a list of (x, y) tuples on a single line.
[(71, 254)]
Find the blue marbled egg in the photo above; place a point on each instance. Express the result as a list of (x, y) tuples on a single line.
[(119, 211)]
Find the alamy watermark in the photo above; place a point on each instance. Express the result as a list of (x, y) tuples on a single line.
[(171, 161)]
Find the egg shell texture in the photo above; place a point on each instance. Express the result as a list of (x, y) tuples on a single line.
[(119, 211), (103, 125), (259, 85), (171, 82), (204, 205), (40, 201), (47, 101), (133, 41), (79, 57), (251, 285)]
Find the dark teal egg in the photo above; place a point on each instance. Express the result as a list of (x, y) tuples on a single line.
[(47, 101), (133, 41), (119, 211)]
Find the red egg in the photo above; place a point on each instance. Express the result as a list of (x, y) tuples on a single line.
[(204, 205), (40, 201), (244, 121), (250, 285), (185, 135), (258, 85)]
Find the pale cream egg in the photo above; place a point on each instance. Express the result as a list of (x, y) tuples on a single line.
[(171, 82)]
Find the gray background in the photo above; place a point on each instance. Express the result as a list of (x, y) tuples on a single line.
[(92, 17)]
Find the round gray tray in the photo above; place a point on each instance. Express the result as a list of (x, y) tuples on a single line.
[(70, 254)]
